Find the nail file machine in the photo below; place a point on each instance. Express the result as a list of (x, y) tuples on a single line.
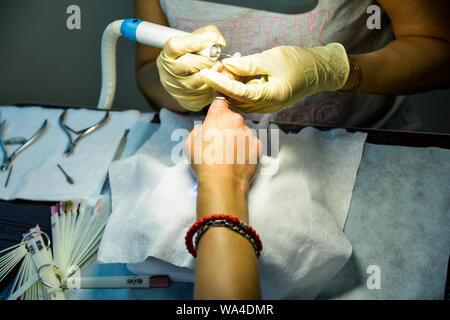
[(140, 31)]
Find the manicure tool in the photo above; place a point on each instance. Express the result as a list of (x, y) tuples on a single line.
[(117, 155), (156, 35), (7, 160), (9, 175), (144, 32), (136, 282), (68, 178), (81, 133)]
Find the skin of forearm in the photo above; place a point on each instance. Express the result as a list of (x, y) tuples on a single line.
[(406, 65), (147, 78), (227, 266), (219, 194)]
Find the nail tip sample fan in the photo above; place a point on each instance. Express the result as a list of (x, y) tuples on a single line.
[(76, 232)]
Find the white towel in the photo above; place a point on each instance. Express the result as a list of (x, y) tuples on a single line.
[(299, 212), (35, 175)]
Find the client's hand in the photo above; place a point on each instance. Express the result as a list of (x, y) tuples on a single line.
[(223, 149), (224, 155)]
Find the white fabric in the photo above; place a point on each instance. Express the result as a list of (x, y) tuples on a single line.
[(35, 175), (299, 212)]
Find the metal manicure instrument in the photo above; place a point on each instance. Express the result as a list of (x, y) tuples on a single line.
[(7, 160), (68, 178), (116, 156), (9, 176), (81, 133)]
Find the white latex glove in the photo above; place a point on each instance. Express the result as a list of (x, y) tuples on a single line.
[(179, 69), (287, 73)]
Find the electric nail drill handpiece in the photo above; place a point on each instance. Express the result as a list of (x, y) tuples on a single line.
[(156, 35), (143, 32)]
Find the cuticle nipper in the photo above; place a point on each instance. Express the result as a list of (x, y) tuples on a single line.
[(81, 133), (7, 160)]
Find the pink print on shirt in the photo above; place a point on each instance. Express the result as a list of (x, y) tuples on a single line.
[(325, 113), (243, 34), (310, 29), (246, 29), (275, 34), (251, 35)]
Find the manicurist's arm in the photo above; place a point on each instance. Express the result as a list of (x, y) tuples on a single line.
[(418, 58), (147, 77)]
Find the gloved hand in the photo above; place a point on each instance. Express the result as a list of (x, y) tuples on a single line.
[(210, 146), (287, 73), (179, 69)]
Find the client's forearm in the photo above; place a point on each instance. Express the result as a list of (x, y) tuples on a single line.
[(222, 194), (147, 78), (227, 266)]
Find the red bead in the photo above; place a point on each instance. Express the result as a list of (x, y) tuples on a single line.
[(230, 219)]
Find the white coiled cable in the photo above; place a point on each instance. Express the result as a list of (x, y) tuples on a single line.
[(144, 32), (108, 56)]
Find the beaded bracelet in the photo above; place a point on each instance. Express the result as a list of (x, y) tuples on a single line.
[(203, 224), (223, 223)]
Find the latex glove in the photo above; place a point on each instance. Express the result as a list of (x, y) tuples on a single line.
[(287, 73), (222, 137), (179, 68)]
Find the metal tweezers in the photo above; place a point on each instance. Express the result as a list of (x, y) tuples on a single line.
[(81, 133), (7, 160)]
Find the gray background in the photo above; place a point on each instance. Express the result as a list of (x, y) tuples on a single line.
[(42, 62)]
